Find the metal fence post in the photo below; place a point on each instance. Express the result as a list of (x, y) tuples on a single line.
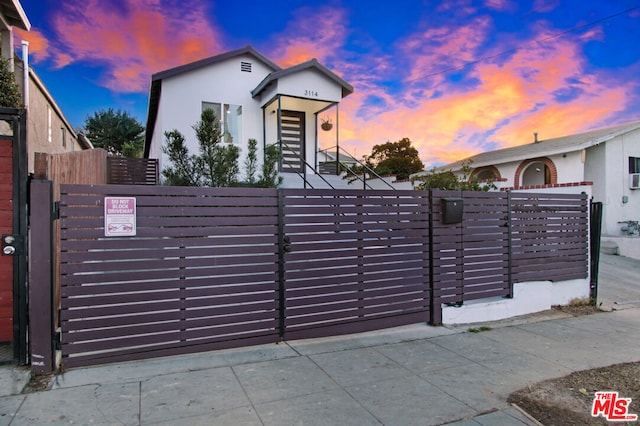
[(595, 231), (283, 244), (41, 277), (509, 245), (435, 307)]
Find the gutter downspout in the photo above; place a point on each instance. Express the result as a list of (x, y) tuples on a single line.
[(25, 73)]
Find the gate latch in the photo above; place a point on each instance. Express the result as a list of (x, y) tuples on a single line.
[(11, 244)]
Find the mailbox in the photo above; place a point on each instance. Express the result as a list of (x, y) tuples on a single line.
[(452, 208)]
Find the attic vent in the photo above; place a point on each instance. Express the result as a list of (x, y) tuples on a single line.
[(245, 66)]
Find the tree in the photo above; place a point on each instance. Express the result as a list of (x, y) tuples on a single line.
[(269, 177), (219, 164), (184, 169), (10, 95), (116, 131), (448, 180), (251, 162), (397, 158)]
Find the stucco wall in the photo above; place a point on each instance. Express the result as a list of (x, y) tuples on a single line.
[(42, 115), (182, 96), (620, 202)]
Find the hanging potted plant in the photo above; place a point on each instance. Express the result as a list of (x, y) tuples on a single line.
[(326, 124)]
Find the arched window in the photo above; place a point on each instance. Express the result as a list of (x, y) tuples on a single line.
[(486, 173)]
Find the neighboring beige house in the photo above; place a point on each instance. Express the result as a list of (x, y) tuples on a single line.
[(605, 160), (48, 130), (254, 99)]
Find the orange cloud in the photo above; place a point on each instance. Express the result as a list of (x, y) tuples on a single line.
[(135, 40), (542, 88), (38, 44)]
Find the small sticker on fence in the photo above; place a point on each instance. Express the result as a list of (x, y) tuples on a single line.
[(119, 216)]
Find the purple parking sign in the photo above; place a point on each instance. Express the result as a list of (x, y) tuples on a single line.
[(119, 216)]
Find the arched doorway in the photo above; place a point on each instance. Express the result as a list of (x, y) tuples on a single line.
[(535, 172)]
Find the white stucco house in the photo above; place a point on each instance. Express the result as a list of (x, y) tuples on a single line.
[(254, 99), (605, 163)]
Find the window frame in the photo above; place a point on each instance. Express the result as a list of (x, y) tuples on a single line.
[(233, 135)]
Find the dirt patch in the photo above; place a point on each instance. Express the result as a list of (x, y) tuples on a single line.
[(38, 383), (578, 307), (568, 400)]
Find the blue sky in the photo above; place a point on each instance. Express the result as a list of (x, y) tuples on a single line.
[(456, 77)]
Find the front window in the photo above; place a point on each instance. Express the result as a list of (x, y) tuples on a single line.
[(230, 117), (634, 164), (536, 174)]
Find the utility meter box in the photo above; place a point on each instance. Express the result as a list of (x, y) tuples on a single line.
[(452, 208)]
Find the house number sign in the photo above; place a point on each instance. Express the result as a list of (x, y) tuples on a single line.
[(119, 216), (311, 93)]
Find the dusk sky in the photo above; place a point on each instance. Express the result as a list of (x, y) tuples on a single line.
[(456, 77)]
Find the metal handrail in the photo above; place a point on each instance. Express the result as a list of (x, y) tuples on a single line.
[(283, 144), (348, 170), (303, 176)]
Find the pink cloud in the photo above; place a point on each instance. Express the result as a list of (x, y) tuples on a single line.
[(317, 32), (515, 95), (136, 40), (500, 4)]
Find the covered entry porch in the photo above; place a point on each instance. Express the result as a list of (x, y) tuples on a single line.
[(300, 113)]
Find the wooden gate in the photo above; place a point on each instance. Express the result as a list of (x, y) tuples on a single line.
[(354, 261), (195, 271), (13, 230), (6, 228)]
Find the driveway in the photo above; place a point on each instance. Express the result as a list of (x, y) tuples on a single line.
[(618, 282)]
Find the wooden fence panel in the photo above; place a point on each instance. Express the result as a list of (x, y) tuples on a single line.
[(132, 171), (357, 261), (549, 236), (471, 258), (189, 280)]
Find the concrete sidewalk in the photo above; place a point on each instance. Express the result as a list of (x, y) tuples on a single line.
[(409, 375)]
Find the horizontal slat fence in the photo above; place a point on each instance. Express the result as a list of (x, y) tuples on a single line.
[(550, 236), (200, 273), (132, 171), (212, 268), (357, 261), (471, 258)]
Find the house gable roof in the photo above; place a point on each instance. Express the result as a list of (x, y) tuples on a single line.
[(156, 82), (347, 89), (214, 60), (555, 146)]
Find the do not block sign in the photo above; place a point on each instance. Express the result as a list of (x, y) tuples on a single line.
[(119, 216)]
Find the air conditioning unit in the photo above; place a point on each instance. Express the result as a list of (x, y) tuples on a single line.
[(634, 181)]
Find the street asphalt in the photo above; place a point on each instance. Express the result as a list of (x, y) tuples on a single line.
[(415, 375)]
